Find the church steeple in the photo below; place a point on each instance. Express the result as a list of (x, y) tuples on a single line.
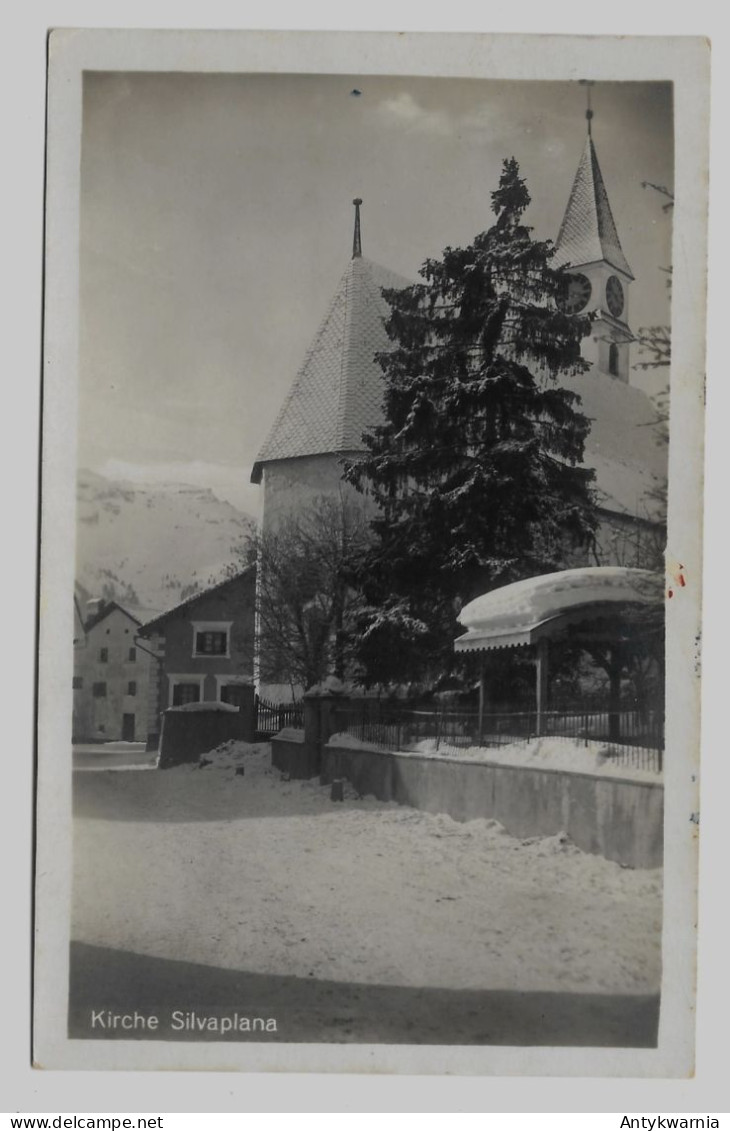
[(588, 231), (356, 238), (589, 112), (588, 243), (337, 394)]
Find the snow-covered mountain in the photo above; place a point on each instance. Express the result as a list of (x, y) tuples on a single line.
[(150, 546)]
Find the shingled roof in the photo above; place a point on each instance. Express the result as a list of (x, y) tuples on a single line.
[(337, 393), (588, 232), (624, 446)]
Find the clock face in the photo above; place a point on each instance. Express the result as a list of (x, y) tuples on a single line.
[(577, 294), (615, 296)]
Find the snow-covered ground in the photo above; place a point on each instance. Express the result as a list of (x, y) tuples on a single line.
[(250, 872)]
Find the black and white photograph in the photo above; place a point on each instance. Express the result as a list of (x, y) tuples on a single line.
[(370, 559)]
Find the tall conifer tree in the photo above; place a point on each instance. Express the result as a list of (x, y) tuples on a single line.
[(477, 468)]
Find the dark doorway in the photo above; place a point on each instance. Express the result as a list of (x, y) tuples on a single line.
[(127, 728)]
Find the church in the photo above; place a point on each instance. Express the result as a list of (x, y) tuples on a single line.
[(338, 391)]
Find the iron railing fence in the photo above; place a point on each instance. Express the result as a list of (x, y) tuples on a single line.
[(630, 736), (273, 717)]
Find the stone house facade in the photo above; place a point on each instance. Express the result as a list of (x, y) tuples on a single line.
[(111, 675)]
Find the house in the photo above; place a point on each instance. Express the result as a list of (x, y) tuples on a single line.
[(203, 649), (111, 674)]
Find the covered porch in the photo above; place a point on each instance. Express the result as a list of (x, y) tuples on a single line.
[(611, 608)]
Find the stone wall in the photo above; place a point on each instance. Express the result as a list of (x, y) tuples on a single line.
[(619, 819), (188, 732), (291, 755)]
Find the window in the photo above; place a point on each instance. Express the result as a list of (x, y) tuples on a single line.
[(211, 643), (132, 655), (211, 638), (185, 687), (183, 693), (78, 682), (132, 687), (99, 690), (233, 689), (232, 693), (103, 655), (613, 359)]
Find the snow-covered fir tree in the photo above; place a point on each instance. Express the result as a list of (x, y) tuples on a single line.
[(477, 469)]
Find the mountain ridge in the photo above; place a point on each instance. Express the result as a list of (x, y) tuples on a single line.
[(150, 546)]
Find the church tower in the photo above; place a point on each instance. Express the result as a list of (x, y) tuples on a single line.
[(623, 446), (600, 274), (335, 397), (337, 394)]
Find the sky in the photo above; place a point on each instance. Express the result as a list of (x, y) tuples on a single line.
[(216, 221)]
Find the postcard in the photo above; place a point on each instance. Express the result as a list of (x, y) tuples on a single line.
[(371, 545)]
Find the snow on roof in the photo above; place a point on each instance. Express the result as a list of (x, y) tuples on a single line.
[(337, 393), (624, 446), (202, 708), (588, 232), (509, 616), (105, 610)]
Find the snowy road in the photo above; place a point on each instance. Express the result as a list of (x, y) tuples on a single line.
[(113, 756), (197, 889)]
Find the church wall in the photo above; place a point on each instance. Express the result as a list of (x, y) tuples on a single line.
[(622, 541), (290, 486)]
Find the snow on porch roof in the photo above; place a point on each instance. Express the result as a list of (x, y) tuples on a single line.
[(525, 611)]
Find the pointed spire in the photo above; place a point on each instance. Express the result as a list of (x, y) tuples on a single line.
[(356, 239), (588, 83), (588, 231)]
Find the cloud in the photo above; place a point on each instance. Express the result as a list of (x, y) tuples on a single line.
[(406, 112), (403, 110)]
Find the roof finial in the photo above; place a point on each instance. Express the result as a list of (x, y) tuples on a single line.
[(356, 240), (588, 83)]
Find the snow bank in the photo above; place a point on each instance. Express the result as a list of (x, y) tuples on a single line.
[(593, 758), (347, 741), (291, 734), (232, 755), (203, 707), (330, 686)]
